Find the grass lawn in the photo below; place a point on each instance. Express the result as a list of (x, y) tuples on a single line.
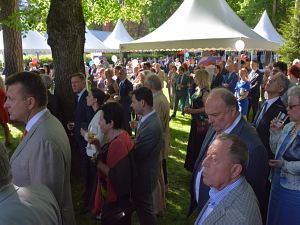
[(179, 179)]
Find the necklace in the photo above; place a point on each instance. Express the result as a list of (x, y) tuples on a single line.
[(294, 131)]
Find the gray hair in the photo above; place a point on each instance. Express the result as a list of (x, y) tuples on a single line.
[(5, 171), (238, 150), (154, 82), (294, 91), (283, 81)]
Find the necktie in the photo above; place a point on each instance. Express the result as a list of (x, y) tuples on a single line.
[(24, 133), (262, 112)]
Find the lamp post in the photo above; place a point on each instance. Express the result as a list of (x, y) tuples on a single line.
[(239, 46)]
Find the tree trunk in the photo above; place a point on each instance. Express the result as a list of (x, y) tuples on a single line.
[(12, 39), (274, 10), (66, 37)]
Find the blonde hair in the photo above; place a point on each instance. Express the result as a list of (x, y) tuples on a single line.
[(243, 73), (203, 76)]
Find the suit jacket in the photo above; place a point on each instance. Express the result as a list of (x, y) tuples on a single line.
[(162, 108), (255, 79), (82, 117), (263, 128), (28, 206), (148, 140), (184, 88), (231, 79), (44, 157), (125, 88), (238, 207), (257, 170)]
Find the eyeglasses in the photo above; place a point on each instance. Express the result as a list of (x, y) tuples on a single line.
[(291, 107)]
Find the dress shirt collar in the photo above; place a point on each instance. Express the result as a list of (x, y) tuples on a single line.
[(146, 116), (271, 101), (80, 94), (217, 196), (34, 119), (233, 125)]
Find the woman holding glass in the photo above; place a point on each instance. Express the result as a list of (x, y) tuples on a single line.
[(113, 164), (284, 204), (95, 99), (199, 124), (241, 92)]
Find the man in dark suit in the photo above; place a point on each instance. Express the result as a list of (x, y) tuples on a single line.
[(223, 115), (82, 116), (230, 79), (125, 89), (148, 141), (255, 79), (181, 90), (275, 87)]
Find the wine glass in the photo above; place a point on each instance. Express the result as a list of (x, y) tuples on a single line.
[(92, 135), (280, 119)]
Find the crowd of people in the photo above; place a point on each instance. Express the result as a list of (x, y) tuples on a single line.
[(242, 146)]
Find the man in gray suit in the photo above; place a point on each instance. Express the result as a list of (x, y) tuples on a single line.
[(148, 141), (222, 110), (25, 205), (232, 200), (43, 155)]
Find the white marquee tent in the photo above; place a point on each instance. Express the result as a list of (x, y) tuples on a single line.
[(32, 43), (266, 29), (93, 44), (118, 36), (201, 24)]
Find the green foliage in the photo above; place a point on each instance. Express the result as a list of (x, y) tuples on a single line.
[(42, 59), (291, 33), (32, 15)]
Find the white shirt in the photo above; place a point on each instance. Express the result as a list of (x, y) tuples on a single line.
[(80, 94), (34, 119)]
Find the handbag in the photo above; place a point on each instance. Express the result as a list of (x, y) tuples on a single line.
[(113, 213)]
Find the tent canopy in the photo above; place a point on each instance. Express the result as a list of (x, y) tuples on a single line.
[(93, 44), (266, 29), (101, 35), (118, 36), (32, 43), (201, 24)]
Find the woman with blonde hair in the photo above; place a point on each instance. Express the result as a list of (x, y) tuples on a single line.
[(199, 124), (3, 114)]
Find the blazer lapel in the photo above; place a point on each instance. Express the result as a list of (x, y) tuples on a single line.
[(24, 141)]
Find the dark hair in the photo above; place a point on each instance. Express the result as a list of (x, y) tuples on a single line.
[(238, 150), (227, 96), (181, 68), (254, 61), (146, 66), (78, 74), (99, 95), (113, 112), (32, 85), (145, 94), (281, 65), (45, 65)]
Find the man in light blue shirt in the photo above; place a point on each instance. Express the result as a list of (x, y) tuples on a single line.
[(232, 200)]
